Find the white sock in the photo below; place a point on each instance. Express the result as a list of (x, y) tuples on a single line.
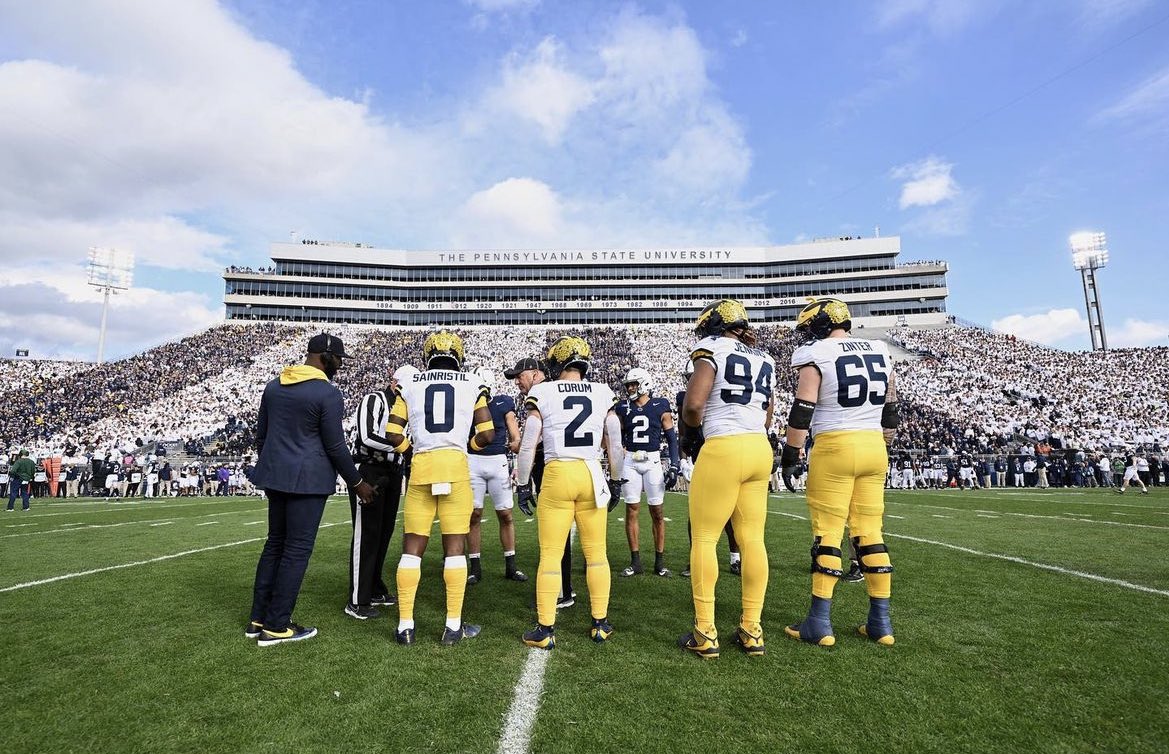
[(410, 561), (455, 561), (405, 624), (735, 557), (507, 553), (473, 555), (454, 624)]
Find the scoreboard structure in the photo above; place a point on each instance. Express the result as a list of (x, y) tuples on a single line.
[(318, 281)]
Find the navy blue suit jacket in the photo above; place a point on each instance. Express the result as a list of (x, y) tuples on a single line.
[(301, 443)]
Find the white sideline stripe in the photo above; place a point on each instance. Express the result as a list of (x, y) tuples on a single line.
[(1033, 564), (890, 515), (938, 515), (159, 559), (207, 523), (987, 515), (525, 704), (142, 505), (1063, 517), (789, 515), (85, 527), (163, 523)]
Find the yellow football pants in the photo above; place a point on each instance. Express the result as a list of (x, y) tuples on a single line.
[(567, 495), (846, 481), (453, 511), (729, 483)]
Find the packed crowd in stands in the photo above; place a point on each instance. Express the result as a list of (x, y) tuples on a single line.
[(970, 390)]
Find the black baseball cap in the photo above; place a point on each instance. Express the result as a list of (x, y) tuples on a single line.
[(522, 365), (325, 343)]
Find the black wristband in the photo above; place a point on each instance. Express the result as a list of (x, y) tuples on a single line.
[(891, 415)]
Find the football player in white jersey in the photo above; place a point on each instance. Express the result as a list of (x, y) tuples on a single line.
[(725, 417), (440, 405), (570, 416), (645, 420), (490, 475), (847, 398)]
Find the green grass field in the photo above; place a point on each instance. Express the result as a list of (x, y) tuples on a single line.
[(991, 654)]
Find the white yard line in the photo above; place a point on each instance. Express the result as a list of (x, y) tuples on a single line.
[(1064, 517), (207, 523), (151, 506), (1033, 564), (159, 559), (163, 523), (525, 704), (85, 527)]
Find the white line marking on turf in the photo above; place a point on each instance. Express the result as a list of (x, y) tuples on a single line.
[(1036, 515), (938, 515), (252, 523), (207, 523), (159, 559), (890, 515), (1033, 564), (525, 704), (987, 515), (163, 523)]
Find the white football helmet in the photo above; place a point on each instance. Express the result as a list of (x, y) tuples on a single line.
[(640, 377), (404, 373), (486, 376), (688, 369)]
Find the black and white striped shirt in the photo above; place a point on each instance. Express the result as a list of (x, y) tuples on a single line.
[(371, 443)]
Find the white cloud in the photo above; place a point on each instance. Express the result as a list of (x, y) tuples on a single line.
[(513, 213), (170, 130), (1136, 333), (942, 17), (539, 88), (740, 38), (1097, 12), (927, 183), (1050, 328), (1149, 100)]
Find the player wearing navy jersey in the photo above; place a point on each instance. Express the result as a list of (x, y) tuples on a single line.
[(490, 475), (728, 409), (644, 421), (570, 416), (732, 543), (846, 399), (440, 405)]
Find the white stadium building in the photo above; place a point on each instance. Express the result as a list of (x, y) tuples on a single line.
[(317, 281)]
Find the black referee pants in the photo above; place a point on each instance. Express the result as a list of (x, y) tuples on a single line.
[(373, 525)]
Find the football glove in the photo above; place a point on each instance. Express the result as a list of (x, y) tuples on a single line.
[(615, 486), (788, 460), (692, 440), (526, 498), (671, 476)]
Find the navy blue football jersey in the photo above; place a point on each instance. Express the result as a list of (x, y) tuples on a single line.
[(499, 407), (641, 426)]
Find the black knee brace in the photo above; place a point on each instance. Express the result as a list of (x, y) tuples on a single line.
[(863, 550), (819, 549)]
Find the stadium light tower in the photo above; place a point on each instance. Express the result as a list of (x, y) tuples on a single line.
[(1090, 253), (110, 271)]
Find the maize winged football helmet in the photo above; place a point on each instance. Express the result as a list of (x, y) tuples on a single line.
[(822, 316), (568, 351), (641, 379), (720, 316), (443, 350)]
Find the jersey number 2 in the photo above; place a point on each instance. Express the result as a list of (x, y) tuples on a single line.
[(571, 437)]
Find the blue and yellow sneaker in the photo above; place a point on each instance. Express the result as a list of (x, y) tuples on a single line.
[(293, 632), (601, 630), (540, 637), (700, 644), (878, 627), (465, 631), (812, 631), (253, 629), (751, 644)]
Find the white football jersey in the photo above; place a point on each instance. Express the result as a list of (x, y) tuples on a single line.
[(573, 414), (743, 377), (854, 376), (440, 406)]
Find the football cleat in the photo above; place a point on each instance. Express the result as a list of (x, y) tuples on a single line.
[(854, 573), (700, 644), (820, 317), (686, 572), (601, 630), (292, 633), (405, 637), (813, 631), (632, 570), (751, 644), (383, 600), (465, 631), (878, 627), (253, 629), (737, 568), (885, 640), (516, 575), (443, 350), (663, 572), (472, 579), (567, 600), (361, 612), (540, 637), (568, 351)]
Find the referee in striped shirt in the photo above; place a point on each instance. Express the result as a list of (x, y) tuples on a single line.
[(373, 524)]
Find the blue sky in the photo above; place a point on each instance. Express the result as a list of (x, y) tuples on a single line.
[(983, 132)]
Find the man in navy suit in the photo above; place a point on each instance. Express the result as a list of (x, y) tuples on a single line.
[(302, 449)]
